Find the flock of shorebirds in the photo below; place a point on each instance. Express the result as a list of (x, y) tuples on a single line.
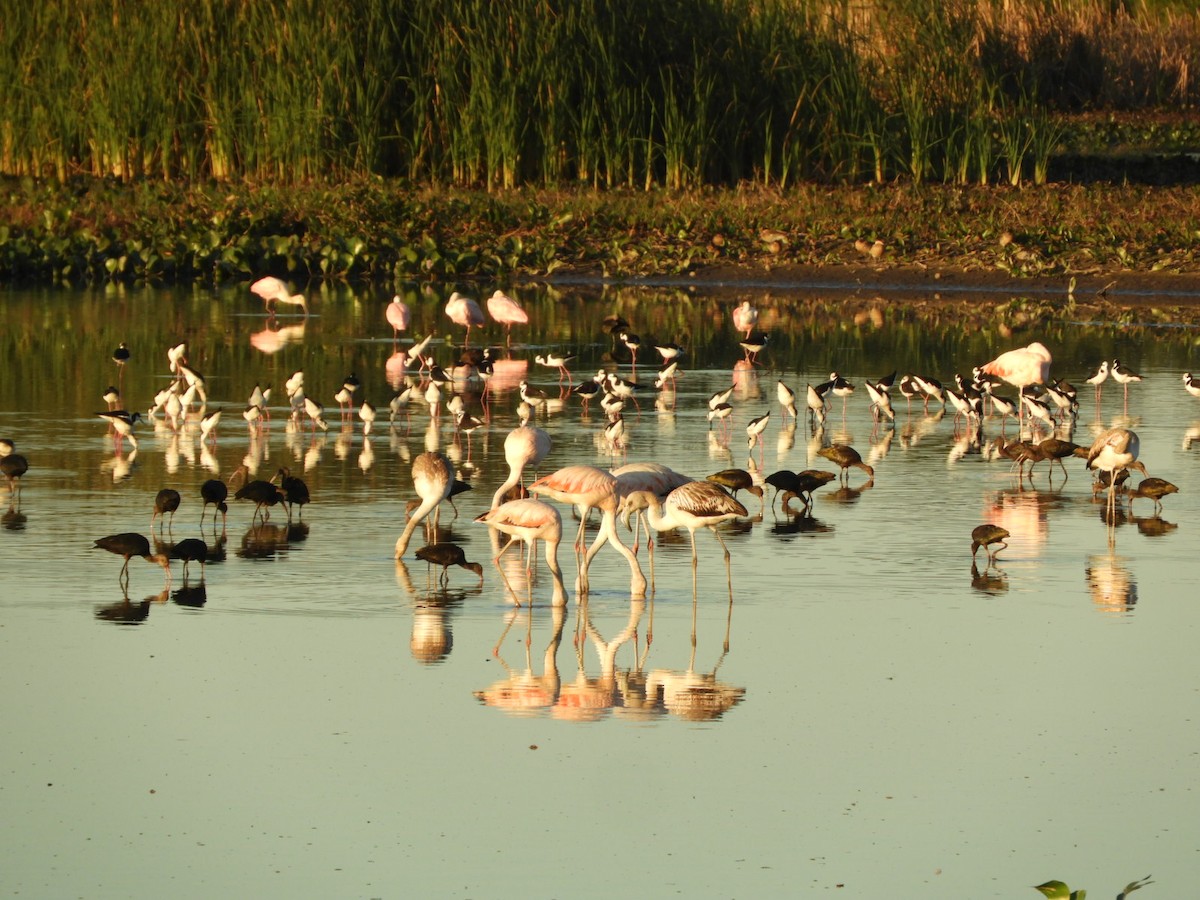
[(650, 495)]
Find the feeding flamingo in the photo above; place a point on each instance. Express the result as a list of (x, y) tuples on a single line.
[(274, 291), (432, 477), (530, 520)]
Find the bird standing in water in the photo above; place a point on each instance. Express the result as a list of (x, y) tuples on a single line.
[(273, 292), (846, 457), (165, 502), (130, 544), (1114, 451), (505, 311), (12, 466), (447, 555), (433, 477), (985, 536), (529, 521)]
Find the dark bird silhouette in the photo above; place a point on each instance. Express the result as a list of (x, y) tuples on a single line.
[(846, 457), (191, 550), (1057, 450), (1152, 489), (165, 501), (262, 493), (294, 489), (130, 544), (214, 492), (736, 480), (447, 555), (12, 465), (985, 536)]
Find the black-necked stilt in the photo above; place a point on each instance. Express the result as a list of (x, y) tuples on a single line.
[(1097, 379), (367, 414), (841, 388), (815, 401), (1124, 375), (1191, 385), (122, 423), (669, 351), (753, 345), (555, 361), (787, 399)]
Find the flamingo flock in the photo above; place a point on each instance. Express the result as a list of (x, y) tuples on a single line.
[(528, 504)]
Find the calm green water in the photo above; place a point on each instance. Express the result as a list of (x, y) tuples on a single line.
[(867, 717)]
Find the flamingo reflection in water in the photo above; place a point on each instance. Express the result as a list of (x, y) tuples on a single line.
[(1111, 583), (526, 692)]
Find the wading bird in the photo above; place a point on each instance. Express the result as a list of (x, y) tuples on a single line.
[(745, 317), (1114, 451), (447, 555), (466, 312), (399, 316), (130, 544), (166, 502), (505, 311), (273, 292), (528, 520), (12, 466), (846, 457), (432, 477), (1152, 489), (985, 536)]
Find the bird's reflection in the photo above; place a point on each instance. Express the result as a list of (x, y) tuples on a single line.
[(193, 596), (525, 692), (264, 540), (432, 638), (991, 581), (13, 519), (127, 612), (1111, 583), (272, 340)]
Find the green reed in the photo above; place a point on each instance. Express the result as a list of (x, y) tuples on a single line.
[(624, 93)]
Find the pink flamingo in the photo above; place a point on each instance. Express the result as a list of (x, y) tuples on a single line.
[(530, 520), (647, 476), (524, 446), (745, 317), (1021, 368), (507, 312), (694, 505), (433, 476), (464, 311), (398, 316), (588, 487), (274, 291)]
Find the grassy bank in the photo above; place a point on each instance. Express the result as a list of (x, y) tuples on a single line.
[(557, 93), (91, 231)]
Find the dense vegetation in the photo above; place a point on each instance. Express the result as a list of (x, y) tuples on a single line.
[(624, 93), (370, 140)]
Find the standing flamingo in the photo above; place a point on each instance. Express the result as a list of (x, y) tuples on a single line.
[(464, 311), (587, 487), (274, 291), (697, 504), (398, 316), (1114, 451), (432, 477), (530, 520), (745, 317), (505, 311), (1021, 368)]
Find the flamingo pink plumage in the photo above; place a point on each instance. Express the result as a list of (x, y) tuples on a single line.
[(274, 291), (745, 317), (464, 311), (588, 487), (524, 446), (506, 311), (530, 520), (399, 316), (1021, 368), (433, 477)]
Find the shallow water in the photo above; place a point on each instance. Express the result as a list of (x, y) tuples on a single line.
[(867, 713)]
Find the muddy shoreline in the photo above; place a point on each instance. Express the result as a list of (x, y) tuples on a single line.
[(917, 283)]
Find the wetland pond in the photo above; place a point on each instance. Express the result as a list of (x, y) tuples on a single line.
[(865, 715)]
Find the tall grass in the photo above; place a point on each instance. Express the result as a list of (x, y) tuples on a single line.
[(610, 93)]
